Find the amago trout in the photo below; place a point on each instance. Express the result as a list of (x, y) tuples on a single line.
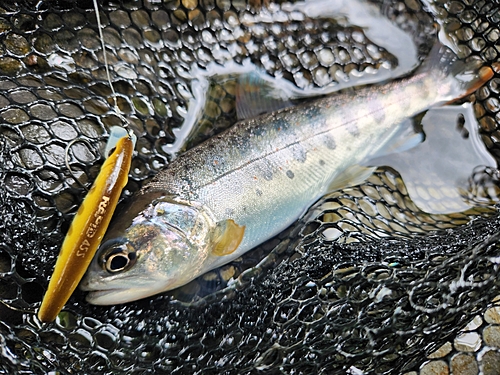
[(242, 187)]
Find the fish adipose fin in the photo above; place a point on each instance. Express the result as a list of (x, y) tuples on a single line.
[(228, 236), (436, 170)]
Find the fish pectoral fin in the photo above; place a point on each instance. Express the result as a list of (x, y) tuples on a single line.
[(352, 176), (228, 236)]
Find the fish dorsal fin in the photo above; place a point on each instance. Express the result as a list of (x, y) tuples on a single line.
[(256, 95), (437, 172), (228, 236)]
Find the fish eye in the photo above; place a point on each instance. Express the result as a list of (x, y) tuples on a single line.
[(119, 257)]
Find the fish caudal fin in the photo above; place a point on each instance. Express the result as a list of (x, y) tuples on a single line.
[(459, 78)]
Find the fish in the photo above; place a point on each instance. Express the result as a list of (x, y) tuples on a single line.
[(231, 193), (89, 224)]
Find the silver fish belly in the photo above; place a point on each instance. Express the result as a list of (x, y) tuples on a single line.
[(249, 183)]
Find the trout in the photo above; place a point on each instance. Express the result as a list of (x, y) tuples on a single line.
[(238, 189)]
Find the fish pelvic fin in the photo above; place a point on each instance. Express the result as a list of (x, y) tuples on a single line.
[(228, 236), (459, 78)]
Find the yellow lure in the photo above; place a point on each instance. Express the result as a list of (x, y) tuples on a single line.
[(88, 228)]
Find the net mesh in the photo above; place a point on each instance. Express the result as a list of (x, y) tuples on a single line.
[(365, 281)]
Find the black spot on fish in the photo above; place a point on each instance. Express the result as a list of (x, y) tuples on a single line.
[(259, 192), (352, 128), (290, 174), (258, 131), (330, 142), (299, 154), (321, 162), (267, 172)]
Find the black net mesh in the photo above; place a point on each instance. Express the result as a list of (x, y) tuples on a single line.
[(365, 281)]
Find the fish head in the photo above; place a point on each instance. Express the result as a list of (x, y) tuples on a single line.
[(149, 251)]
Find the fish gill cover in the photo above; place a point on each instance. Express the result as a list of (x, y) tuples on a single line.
[(366, 282)]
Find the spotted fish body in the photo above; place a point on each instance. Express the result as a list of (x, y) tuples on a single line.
[(261, 175)]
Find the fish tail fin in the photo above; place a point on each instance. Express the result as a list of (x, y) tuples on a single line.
[(460, 78)]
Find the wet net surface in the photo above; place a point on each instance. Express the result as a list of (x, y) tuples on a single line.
[(363, 282)]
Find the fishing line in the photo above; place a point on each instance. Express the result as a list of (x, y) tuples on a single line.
[(106, 66), (66, 159), (119, 113)]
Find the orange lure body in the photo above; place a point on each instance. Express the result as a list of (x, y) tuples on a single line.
[(87, 229)]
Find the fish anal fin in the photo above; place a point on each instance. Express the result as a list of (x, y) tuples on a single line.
[(407, 136), (352, 176), (228, 237)]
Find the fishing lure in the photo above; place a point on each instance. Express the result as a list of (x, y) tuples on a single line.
[(90, 223)]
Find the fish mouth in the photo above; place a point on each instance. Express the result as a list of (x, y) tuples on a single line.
[(118, 296), (97, 295), (104, 296)]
